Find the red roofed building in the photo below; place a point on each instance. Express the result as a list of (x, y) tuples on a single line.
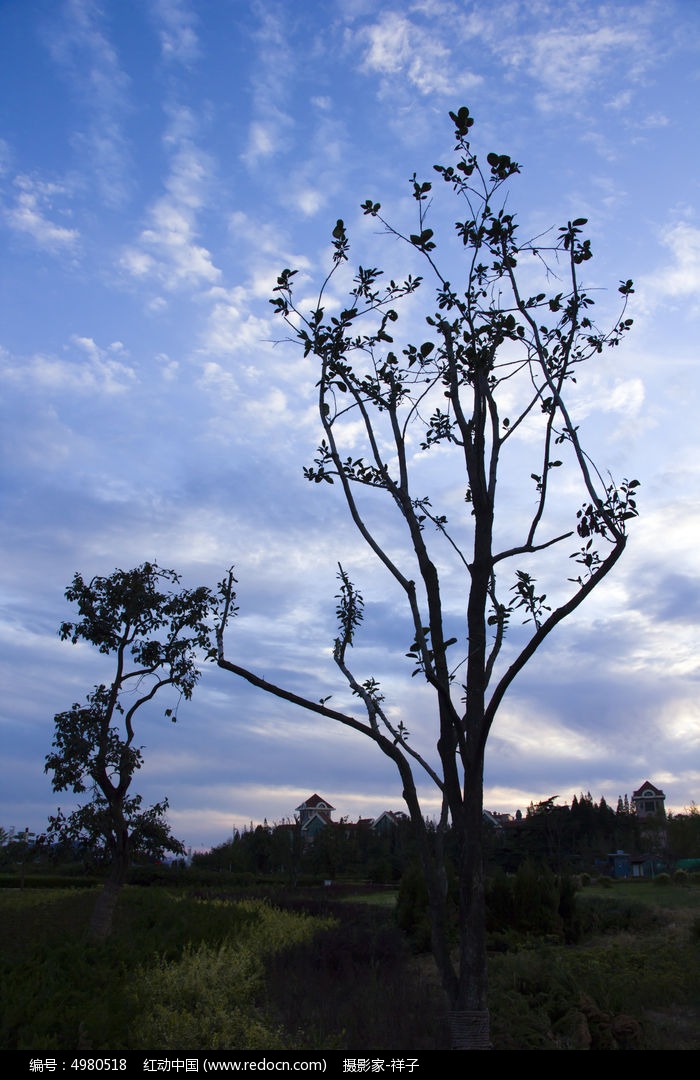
[(648, 801), (314, 815)]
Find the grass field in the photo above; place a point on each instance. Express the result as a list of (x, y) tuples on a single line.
[(193, 970), (666, 897)]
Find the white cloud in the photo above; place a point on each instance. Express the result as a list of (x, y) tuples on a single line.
[(655, 120), (262, 140), (90, 369), (626, 397), (220, 381), (567, 55), (532, 733), (309, 200), (620, 100), (682, 277), (169, 368), (266, 137), (555, 55), (167, 249), (34, 203), (270, 409), (680, 722), (80, 46), (231, 327), (268, 239), (396, 46), (275, 68), (178, 36), (389, 44)]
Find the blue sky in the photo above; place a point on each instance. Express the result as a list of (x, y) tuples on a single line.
[(160, 162)]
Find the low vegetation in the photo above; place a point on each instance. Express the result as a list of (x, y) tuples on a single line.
[(615, 967), (181, 973)]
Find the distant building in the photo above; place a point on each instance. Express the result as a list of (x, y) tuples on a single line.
[(622, 865), (648, 801), (314, 815), (387, 821)]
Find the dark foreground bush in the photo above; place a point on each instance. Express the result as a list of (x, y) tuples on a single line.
[(184, 968), (532, 902), (540, 1002), (357, 987), (612, 915), (177, 974)]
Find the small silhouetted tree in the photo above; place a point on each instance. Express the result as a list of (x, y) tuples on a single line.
[(684, 833), (482, 387), (155, 634)]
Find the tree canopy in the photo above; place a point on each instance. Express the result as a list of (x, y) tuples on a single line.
[(483, 388), (155, 634)]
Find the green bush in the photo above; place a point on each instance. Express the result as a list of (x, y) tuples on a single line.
[(208, 998), (662, 879), (531, 902), (178, 972), (48, 881), (540, 1001), (412, 908), (613, 915), (211, 997)]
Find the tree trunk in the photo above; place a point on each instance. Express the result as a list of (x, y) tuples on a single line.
[(469, 1019), (102, 917), (465, 981)]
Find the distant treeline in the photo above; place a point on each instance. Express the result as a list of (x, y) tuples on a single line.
[(569, 838)]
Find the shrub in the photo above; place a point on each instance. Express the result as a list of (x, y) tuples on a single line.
[(412, 908), (202, 990), (534, 901), (206, 999), (662, 879), (611, 915), (368, 991)]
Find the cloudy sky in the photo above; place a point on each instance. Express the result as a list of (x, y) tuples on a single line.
[(160, 162)]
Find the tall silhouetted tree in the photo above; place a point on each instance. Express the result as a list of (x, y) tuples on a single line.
[(482, 388), (155, 634)]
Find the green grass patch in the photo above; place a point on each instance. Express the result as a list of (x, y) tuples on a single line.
[(632, 982), (180, 973), (386, 899), (671, 896)]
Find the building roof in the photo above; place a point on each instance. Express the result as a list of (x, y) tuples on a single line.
[(315, 802), (648, 786), (393, 817)]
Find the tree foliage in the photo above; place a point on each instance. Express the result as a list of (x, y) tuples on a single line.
[(155, 634), (481, 387)]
